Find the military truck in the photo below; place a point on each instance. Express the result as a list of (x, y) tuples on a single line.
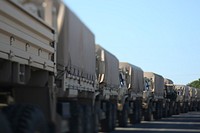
[(197, 97), (130, 94), (169, 103), (107, 71), (183, 97), (153, 96), (192, 99), (47, 57)]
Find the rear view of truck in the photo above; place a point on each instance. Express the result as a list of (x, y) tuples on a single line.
[(153, 96), (130, 98)]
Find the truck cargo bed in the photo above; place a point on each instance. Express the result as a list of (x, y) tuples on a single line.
[(25, 38)]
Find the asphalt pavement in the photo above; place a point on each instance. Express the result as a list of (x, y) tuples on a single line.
[(183, 123)]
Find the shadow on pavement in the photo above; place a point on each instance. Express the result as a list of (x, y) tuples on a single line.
[(183, 123)]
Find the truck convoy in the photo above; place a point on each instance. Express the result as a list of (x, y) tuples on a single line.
[(55, 79)]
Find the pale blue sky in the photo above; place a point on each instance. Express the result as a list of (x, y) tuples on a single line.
[(162, 36)]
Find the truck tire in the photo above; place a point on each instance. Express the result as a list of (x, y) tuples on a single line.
[(156, 114), (95, 117), (133, 116), (178, 108), (171, 107), (174, 109), (161, 109), (114, 115), (198, 106), (87, 119), (148, 113), (76, 120), (96, 122), (25, 119), (139, 111), (123, 116), (4, 124), (186, 107), (106, 124), (165, 110)]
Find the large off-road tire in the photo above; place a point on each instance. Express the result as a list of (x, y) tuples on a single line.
[(25, 119), (123, 116), (161, 109), (165, 110), (87, 119), (198, 106), (4, 124), (133, 116), (170, 109), (95, 117), (148, 113), (157, 113), (186, 107), (182, 108), (175, 109), (76, 121), (139, 111), (106, 124), (114, 115), (178, 108)]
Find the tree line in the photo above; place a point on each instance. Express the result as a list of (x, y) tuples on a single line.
[(195, 83)]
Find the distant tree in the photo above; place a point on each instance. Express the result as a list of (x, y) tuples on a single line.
[(195, 84)]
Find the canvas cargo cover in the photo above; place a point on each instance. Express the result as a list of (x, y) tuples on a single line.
[(186, 93), (198, 94), (168, 81), (158, 83), (183, 90), (192, 92), (110, 67), (135, 75), (76, 45)]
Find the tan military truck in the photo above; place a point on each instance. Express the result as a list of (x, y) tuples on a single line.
[(198, 98), (183, 97), (76, 70), (192, 99), (107, 71), (28, 68), (47, 58), (169, 103), (130, 94), (153, 96)]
